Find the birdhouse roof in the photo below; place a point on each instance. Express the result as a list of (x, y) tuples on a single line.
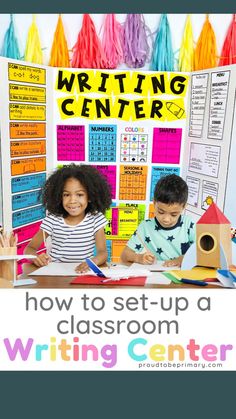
[(213, 215)]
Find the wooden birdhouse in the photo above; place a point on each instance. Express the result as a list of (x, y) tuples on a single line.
[(213, 243)]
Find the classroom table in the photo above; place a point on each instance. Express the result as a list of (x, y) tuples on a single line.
[(64, 282)]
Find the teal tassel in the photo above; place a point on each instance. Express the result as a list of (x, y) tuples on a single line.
[(162, 56), (10, 47)]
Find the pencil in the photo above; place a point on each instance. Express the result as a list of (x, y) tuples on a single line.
[(6, 239), (144, 245), (1, 241), (13, 239)]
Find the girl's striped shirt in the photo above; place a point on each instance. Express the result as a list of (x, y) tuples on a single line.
[(72, 243)]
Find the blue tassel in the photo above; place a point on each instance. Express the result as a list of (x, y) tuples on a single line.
[(10, 47), (162, 56)]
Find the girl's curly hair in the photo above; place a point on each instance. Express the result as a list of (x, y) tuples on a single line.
[(96, 185)]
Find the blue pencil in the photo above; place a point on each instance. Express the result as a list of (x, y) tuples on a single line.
[(193, 282)]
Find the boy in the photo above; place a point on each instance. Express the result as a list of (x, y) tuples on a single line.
[(168, 236)]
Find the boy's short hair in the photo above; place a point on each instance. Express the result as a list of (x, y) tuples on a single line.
[(171, 189)]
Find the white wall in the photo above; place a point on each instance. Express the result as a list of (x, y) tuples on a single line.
[(72, 24)]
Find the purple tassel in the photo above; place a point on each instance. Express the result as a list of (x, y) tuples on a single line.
[(136, 48)]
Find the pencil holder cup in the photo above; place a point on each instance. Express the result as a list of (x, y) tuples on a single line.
[(7, 267)]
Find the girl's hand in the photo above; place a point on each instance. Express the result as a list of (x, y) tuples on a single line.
[(174, 262), (83, 267), (146, 258), (41, 260)]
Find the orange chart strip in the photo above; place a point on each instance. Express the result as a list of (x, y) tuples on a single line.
[(27, 130), (22, 166), (28, 148)]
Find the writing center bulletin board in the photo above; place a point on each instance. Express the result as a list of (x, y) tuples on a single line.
[(134, 126), (130, 125)]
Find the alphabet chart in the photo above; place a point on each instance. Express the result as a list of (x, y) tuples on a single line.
[(70, 143)]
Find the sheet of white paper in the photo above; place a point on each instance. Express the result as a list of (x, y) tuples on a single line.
[(227, 282), (20, 282), (57, 269), (158, 266), (68, 269), (157, 278), (124, 272)]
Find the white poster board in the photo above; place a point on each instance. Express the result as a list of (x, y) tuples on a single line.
[(208, 165)]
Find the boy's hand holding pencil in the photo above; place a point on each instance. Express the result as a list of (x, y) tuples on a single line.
[(174, 262), (146, 258)]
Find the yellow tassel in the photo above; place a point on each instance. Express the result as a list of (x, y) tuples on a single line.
[(186, 52), (205, 55), (33, 51), (59, 52)]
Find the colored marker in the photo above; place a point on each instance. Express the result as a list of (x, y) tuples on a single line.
[(94, 268), (193, 282)]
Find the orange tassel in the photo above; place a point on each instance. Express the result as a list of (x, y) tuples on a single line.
[(205, 53), (59, 52)]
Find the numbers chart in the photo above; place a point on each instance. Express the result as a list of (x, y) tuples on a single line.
[(102, 143)]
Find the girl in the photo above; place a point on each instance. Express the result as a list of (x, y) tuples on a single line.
[(76, 197)]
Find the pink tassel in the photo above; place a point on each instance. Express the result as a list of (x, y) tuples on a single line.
[(87, 52), (112, 42), (228, 53)]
